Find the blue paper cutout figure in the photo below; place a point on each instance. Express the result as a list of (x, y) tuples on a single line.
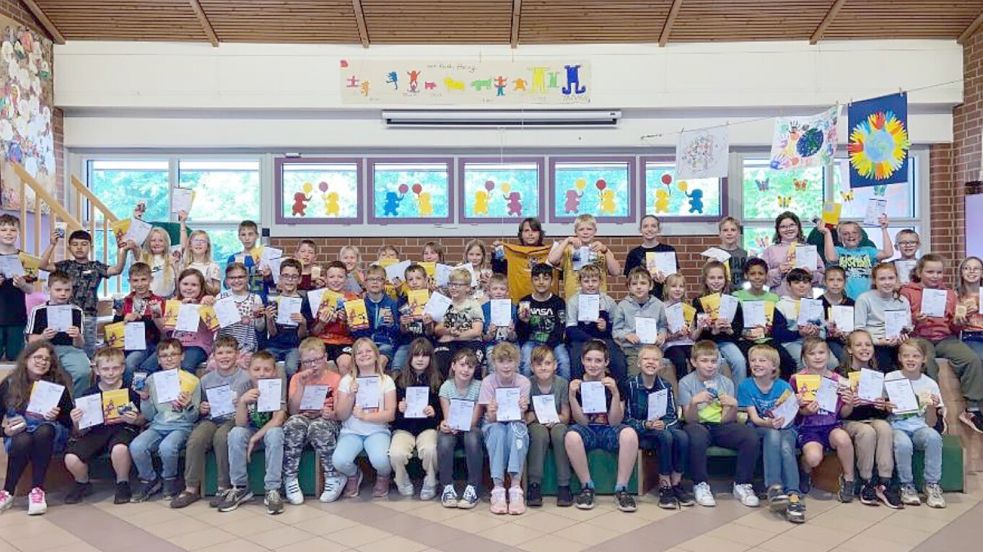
[(391, 208), (573, 81), (696, 201), (393, 78)]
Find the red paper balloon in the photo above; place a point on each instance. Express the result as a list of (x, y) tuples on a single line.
[(489, 185), (403, 188), (323, 186), (417, 189), (667, 179), (601, 184)]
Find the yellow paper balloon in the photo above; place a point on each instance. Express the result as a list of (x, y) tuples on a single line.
[(506, 187), (308, 187), (683, 185), (580, 184)]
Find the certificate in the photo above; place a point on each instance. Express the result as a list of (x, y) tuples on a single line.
[(876, 207), (728, 307), (661, 261), (545, 407), (138, 232), (588, 308), (167, 383), (274, 265), (904, 269), (871, 386), (810, 312), (843, 317), (442, 274), (787, 410), (268, 254), (314, 396), (501, 312), (507, 400), (675, 318), (437, 306), (91, 407), (220, 401), (285, 307), (592, 398), (134, 336), (270, 395), (11, 267), (227, 312), (181, 200), (187, 318), (807, 257), (45, 396), (933, 302), (657, 405), (647, 330), (901, 395), (397, 271), (754, 314), (59, 317), (826, 395), (716, 254), (369, 394), (417, 399), (460, 414), (895, 321)]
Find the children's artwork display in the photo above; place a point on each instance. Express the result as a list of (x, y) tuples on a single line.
[(801, 142), (318, 191), (768, 193), (601, 187), (421, 191), (900, 198), (702, 153), (668, 197), (510, 189), (879, 141)]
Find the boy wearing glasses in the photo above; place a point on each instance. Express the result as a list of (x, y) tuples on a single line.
[(907, 245), (286, 331), (383, 313)]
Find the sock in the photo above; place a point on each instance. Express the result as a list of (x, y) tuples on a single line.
[(80, 482)]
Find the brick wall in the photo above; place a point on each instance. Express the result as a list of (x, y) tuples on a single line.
[(967, 127)]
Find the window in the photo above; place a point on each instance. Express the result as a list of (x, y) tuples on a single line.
[(318, 191), (411, 192), (602, 187), (508, 189), (225, 191), (120, 185), (669, 198), (901, 198), (768, 193)]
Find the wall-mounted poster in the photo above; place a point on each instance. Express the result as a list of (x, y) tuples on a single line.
[(318, 191), (410, 192), (600, 186), (879, 141), (501, 189), (669, 197)]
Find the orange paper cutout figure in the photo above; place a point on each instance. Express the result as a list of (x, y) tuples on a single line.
[(364, 89)]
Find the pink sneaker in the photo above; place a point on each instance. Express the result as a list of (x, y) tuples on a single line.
[(36, 505), (517, 501), (6, 500), (498, 503)]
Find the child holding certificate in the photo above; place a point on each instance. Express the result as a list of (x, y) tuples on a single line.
[(547, 424), (417, 418), (723, 328), (458, 397), (590, 315), (287, 317), (640, 318), (679, 341), (884, 314)]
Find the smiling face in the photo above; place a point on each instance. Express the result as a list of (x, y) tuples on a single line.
[(349, 258), (366, 358), (590, 284), (757, 276), (860, 347), (430, 255), (705, 365), (911, 358), (729, 232), (226, 357), (595, 363), (908, 244), (306, 254), (971, 271), (885, 280), (335, 278), (529, 235), (506, 369), (677, 290), (190, 286), (459, 288), (639, 288), (110, 371), (140, 283), (815, 358), (8, 235), (476, 256), (650, 362), (463, 371), (716, 279), (498, 290), (932, 274), (788, 230), (649, 228), (585, 231), (800, 289), (157, 242), (236, 280), (289, 278), (375, 283), (761, 366), (200, 244), (170, 358), (39, 363), (850, 234), (544, 369), (541, 283)]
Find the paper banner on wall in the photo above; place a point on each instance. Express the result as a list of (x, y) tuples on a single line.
[(702, 153), (455, 82), (878, 143), (801, 142)]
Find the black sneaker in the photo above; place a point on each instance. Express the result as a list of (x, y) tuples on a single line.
[(78, 492), (868, 493), (777, 499), (585, 500), (234, 498), (889, 496), (172, 488), (795, 511), (534, 495), (123, 493), (625, 502), (847, 492), (805, 481), (683, 497), (973, 419), (216, 500), (146, 490), (564, 498), (667, 500)]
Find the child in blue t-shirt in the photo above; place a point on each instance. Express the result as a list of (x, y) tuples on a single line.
[(857, 261), (383, 314), (259, 275), (498, 289)]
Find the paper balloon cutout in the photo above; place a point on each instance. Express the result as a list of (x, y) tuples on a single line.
[(580, 184), (667, 179), (601, 184), (683, 186), (489, 185), (403, 188), (323, 186), (417, 188), (308, 187), (506, 187)]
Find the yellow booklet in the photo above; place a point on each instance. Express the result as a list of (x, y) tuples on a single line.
[(769, 312), (115, 335), (854, 380), (31, 264), (831, 213), (689, 313), (208, 316), (386, 263), (431, 269), (808, 384), (115, 403), (417, 300), (711, 305), (358, 317), (171, 309), (188, 381)]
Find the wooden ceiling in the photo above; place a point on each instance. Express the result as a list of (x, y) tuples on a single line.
[(512, 22)]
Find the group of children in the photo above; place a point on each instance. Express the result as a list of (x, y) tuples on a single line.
[(362, 363)]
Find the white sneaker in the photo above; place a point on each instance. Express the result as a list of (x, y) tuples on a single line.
[(933, 496), (6, 500), (406, 489), (745, 493), (333, 487), (703, 495), (295, 496), (36, 505), (427, 492)]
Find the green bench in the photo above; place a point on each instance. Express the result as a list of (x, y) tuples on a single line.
[(603, 471), (308, 475)]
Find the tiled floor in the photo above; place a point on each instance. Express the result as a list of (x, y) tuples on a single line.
[(401, 525)]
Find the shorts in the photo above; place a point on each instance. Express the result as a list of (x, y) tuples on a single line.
[(596, 436), (335, 351), (816, 434), (101, 440)]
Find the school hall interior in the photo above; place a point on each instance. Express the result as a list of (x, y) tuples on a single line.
[(374, 123)]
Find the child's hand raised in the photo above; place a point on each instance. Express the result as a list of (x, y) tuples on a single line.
[(609, 382)]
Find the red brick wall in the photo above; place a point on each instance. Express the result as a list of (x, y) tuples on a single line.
[(967, 127)]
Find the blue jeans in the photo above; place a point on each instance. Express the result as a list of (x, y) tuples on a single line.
[(735, 359), (167, 445), (193, 356), (671, 446), (507, 444), (400, 358), (134, 362), (559, 353), (74, 361), (289, 356), (781, 463), (923, 438), (376, 447), (90, 325), (272, 445)]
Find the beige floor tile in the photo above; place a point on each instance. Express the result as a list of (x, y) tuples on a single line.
[(707, 543), (818, 535), (154, 517), (912, 517), (175, 527), (654, 513), (784, 543), (621, 522), (511, 534), (238, 545), (911, 536), (436, 512), (317, 544), (739, 533), (357, 536), (552, 543), (405, 505), (839, 521), (476, 523), (281, 536), (223, 519), (7, 547), (202, 539), (392, 544), (863, 543), (576, 514), (295, 514), (325, 523), (52, 538), (253, 525), (543, 521), (764, 521), (591, 535)]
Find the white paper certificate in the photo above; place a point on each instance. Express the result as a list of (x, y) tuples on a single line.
[(592, 397), (501, 312), (665, 262), (787, 410), (581, 257), (313, 397), (717, 254), (826, 395), (270, 394), (181, 199), (442, 274), (588, 308), (545, 407), (187, 318), (901, 395), (806, 257), (369, 394), (647, 330), (810, 312), (45, 396), (843, 317), (507, 400), (91, 407), (227, 312), (675, 318), (871, 386), (167, 383), (895, 321), (285, 307), (876, 206), (59, 317), (933, 302), (437, 306), (134, 336), (10, 266), (754, 314), (728, 307), (904, 269), (221, 402), (314, 297), (658, 403), (460, 414), (417, 399), (397, 270), (138, 231)]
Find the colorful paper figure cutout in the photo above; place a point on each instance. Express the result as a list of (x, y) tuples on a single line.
[(846, 196), (414, 79), (301, 200), (879, 141), (784, 201), (572, 204), (391, 208), (514, 203)]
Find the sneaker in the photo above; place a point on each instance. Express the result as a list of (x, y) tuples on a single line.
[(6, 500), (469, 499), (909, 496), (625, 502), (123, 493), (534, 495), (235, 497), (564, 497), (273, 502), (868, 493), (381, 487), (78, 492), (294, 494), (517, 501), (667, 500), (973, 419), (334, 485), (218, 498), (745, 493), (448, 498), (498, 503), (585, 500), (427, 492), (777, 499), (405, 490), (185, 499), (36, 504), (352, 485), (795, 511), (683, 497), (703, 495), (805, 481), (847, 492), (146, 490), (888, 496), (933, 496), (171, 488)]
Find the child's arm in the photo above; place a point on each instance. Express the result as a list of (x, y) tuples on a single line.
[(932, 412), (576, 411), (345, 402), (729, 404), (630, 413), (616, 413), (752, 414), (121, 254), (829, 248), (385, 414), (888, 250), (620, 329), (555, 256), (242, 407), (46, 264), (473, 333)]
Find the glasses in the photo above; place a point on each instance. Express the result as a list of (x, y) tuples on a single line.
[(312, 361), (907, 243), (168, 355), (42, 359), (460, 284), (788, 227), (374, 279), (199, 241), (289, 276)]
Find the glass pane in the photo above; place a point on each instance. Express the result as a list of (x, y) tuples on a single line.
[(225, 243), (664, 195), (900, 197), (496, 190), (121, 184), (757, 238), (328, 190), (97, 252), (225, 191), (768, 193), (409, 191), (599, 189)]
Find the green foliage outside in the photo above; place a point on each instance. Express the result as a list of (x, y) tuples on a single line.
[(768, 193)]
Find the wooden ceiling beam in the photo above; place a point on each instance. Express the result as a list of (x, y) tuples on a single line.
[(971, 30), (56, 35), (206, 25), (516, 10), (363, 31), (817, 35), (670, 20)]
